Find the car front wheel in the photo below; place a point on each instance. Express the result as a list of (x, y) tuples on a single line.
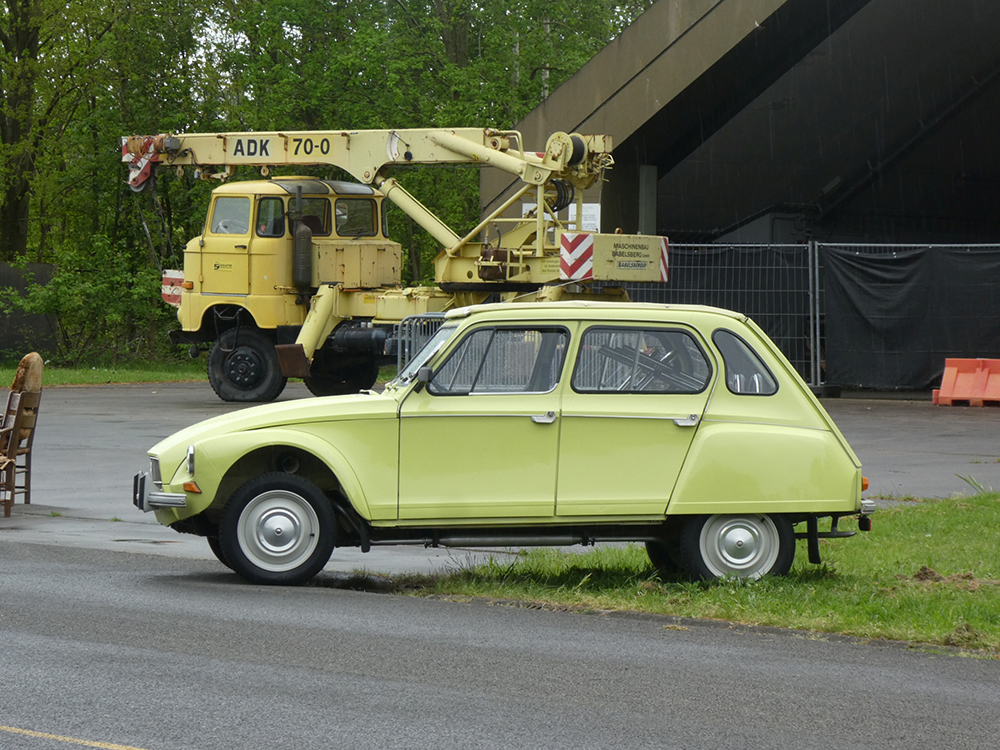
[(744, 546), (277, 529)]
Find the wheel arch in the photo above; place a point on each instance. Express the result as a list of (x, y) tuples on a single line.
[(295, 453), (220, 317)]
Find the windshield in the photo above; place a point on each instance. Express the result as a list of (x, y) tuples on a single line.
[(428, 350)]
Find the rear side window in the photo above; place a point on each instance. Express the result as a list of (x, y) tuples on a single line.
[(746, 373), (503, 360), (640, 360)]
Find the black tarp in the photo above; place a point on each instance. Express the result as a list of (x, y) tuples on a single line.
[(893, 318)]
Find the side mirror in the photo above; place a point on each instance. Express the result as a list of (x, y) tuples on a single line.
[(424, 375)]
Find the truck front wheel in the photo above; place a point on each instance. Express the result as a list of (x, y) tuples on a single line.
[(243, 366)]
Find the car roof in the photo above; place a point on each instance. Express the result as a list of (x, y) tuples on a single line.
[(596, 310)]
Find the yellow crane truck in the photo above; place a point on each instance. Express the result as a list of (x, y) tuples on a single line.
[(297, 277)]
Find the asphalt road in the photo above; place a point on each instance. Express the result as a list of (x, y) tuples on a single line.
[(122, 634), (166, 653)]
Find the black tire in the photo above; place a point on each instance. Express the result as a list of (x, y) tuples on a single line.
[(351, 380), (743, 546), (665, 555), (216, 546), (243, 366), (278, 529)]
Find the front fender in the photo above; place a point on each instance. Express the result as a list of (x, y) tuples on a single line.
[(216, 456)]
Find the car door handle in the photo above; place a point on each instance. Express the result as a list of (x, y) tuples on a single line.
[(689, 421), (547, 418)]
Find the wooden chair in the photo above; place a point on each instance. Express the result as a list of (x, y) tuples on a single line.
[(10, 443), (29, 418)]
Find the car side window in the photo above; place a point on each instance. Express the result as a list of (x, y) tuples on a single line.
[(746, 373), (231, 216), (640, 360), (503, 360)]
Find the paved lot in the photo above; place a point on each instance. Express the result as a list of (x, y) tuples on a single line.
[(91, 440)]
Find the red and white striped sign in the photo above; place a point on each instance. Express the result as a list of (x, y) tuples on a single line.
[(664, 265), (576, 256), (171, 287)]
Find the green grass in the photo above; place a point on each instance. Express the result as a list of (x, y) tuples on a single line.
[(153, 373), (928, 573)]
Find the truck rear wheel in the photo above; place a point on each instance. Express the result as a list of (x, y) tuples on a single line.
[(349, 380), (243, 366)]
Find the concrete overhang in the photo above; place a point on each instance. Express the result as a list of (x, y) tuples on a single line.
[(852, 119)]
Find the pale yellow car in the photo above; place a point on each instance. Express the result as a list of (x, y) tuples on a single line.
[(680, 427)]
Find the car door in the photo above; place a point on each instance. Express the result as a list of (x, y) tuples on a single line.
[(224, 253), (481, 439), (635, 400)]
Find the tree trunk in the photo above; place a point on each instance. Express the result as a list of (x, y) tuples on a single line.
[(18, 63)]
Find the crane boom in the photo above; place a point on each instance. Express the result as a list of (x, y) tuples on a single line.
[(364, 154)]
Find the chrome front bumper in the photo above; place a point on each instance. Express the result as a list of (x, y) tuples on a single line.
[(146, 498)]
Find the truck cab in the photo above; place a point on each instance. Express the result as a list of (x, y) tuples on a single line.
[(266, 247)]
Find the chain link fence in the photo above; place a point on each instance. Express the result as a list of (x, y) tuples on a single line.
[(912, 325)]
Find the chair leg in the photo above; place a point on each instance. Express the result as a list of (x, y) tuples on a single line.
[(27, 479)]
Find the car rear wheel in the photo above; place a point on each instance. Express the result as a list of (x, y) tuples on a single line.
[(743, 546), (278, 529), (665, 555)]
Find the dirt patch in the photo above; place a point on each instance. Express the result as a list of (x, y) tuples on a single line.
[(966, 581)]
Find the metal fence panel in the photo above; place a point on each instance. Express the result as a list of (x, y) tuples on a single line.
[(772, 284)]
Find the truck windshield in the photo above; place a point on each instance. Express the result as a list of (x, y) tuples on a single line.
[(434, 343)]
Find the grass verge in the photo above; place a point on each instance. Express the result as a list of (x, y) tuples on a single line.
[(152, 373), (927, 572)]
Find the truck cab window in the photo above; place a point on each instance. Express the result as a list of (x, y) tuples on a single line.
[(316, 215), (231, 216), (356, 217), (271, 217)]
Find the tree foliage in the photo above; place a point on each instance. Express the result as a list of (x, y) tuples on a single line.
[(75, 77)]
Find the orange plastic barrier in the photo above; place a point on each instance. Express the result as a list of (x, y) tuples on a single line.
[(969, 382)]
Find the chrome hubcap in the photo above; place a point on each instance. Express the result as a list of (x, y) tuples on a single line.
[(278, 530), (742, 546)]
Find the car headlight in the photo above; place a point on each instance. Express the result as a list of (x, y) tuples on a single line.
[(189, 460)]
